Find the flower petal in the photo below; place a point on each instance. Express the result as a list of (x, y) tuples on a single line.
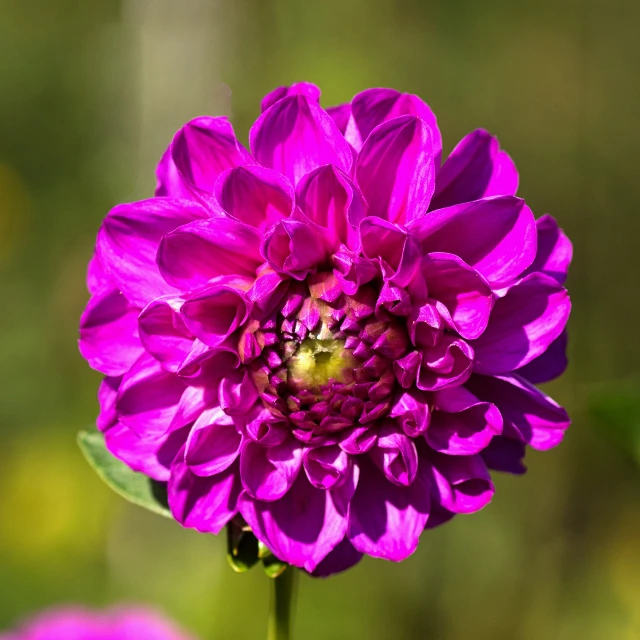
[(327, 467), (268, 472), (496, 236), (395, 455), (200, 151), (163, 332), (109, 333), (128, 241), (213, 443), (462, 425), (255, 195), (301, 528), (505, 454), (447, 364), (148, 397), (295, 136), (411, 411), (205, 504), (523, 324), (342, 557), (534, 417), (461, 484), (551, 364), (329, 198), (554, 250), (475, 169), (386, 520), (195, 253), (372, 107), (302, 88), (396, 170), (464, 296)]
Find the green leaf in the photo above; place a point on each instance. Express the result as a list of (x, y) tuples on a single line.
[(273, 567), (242, 548), (615, 413), (135, 487)]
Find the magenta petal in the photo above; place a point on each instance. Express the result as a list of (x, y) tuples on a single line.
[(97, 277), (372, 107), (200, 151), (163, 333), (411, 411), (386, 520), (295, 247), (465, 296), (554, 250), (342, 557), (295, 136), (340, 113), (148, 397), (475, 169), (395, 455), (523, 324), (151, 456), (107, 394), (505, 454), (327, 467), (307, 89), (535, 417), (301, 528), (195, 253), (205, 504), (396, 171), (237, 392), (447, 364), (551, 364), (128, 241), (215, 312), (495, 236), (461, 484), (462, 425), (357, 440), (268, 472), (213, 443), (109, 333), (425, 325), (267, 291), (331, 200), (255, 195)]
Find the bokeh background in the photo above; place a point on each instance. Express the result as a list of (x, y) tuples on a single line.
[(90, 95)]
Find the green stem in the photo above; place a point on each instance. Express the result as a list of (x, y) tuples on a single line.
[(282, 597)]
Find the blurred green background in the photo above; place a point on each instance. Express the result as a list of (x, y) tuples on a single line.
[(91, 94)]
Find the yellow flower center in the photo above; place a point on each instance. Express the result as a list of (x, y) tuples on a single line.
[(317, 361)]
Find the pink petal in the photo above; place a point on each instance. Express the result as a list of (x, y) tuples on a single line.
[(505, 454), (200, 151), (425, 325), (495, 236), (195, 253), (295, 136), (551, 364), (109, 333), (107, 394), (213, 443), (163, 333), (448, 364), (342, 557), (475, 169), (128, 243), (386, 520), (255, 195), (327, 467), (395, 455), (301, 528), (462, 425), (464, 296), (205, 504), (268, 472), (523, 324), (396, 170), (372, 107), (554, 250), (97, 277), (307, 89), (329, 198), (534, 417), (237, 392), (411, 411)]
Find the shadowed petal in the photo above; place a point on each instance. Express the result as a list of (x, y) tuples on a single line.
[(342, 557), (505, 454), (445, 365), (554, 250), (551, 364), (495, 236), (307, 89), (523, 324), (475, 169)]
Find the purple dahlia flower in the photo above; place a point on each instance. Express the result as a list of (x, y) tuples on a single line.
[(79, 624), (331, 338)]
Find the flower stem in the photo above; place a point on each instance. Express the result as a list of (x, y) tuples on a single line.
[(282, 597)]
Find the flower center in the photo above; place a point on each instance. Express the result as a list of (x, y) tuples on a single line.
[(316, 362)]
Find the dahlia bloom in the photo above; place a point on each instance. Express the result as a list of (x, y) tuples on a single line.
[(80, 624), (332, 337)]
